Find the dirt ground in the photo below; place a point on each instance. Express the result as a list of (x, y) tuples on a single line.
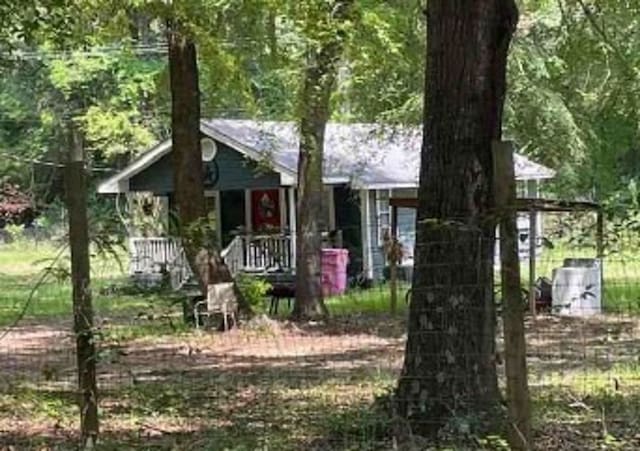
[(276, 385)]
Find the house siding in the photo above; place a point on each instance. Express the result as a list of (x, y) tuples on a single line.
[(347, 217), (234, 172)]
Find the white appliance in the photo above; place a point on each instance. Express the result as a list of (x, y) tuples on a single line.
[(577, 288)]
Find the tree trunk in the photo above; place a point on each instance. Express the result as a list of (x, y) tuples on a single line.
[(76, 196), (449, 370), (202, 255), (319, 79)]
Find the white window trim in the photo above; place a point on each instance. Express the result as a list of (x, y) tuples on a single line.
[(383, 207)]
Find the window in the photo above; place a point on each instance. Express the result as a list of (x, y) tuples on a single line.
[(407, 231), (383, 211)]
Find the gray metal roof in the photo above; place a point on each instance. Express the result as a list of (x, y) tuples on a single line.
[(365, 155)]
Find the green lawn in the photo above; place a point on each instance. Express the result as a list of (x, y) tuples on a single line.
[(21, 267)]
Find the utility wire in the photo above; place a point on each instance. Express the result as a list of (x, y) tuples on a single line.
[(49, 163), (149, 49)]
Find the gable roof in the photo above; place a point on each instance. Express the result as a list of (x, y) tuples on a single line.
[(365, 155)]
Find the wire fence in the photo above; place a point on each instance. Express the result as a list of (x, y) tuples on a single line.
[(324, 385)]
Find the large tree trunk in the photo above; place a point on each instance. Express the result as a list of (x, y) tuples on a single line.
[(319, 79), (76, 197), (202, 255), (449, 370)]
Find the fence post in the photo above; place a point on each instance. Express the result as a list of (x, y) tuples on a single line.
[(392, 254), (533, 237), (600, 248), (518, 402), (393, 284), (76, 198)]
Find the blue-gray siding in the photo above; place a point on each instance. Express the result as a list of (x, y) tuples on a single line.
[(234, 172), (347, 217)]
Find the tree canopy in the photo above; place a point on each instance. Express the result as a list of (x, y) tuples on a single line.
[(572, 101)]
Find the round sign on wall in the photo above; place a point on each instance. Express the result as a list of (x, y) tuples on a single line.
[(209, 149)]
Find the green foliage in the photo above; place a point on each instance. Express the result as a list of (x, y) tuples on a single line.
[(573, 99), (253, 289), (116, 113), (382, 76), (117, 89)]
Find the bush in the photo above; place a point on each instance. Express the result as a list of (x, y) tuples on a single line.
[(253, 289), (16, 206)]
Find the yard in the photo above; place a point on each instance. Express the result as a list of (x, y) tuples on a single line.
[(279, 386)]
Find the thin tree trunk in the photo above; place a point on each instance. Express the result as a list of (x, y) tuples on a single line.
[(76, 194), (449, 370), (202, 254), (319, 80)]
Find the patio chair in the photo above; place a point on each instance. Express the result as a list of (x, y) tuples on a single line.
[(221, 299)]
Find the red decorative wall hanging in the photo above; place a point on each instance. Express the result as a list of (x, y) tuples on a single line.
[(265, 209)]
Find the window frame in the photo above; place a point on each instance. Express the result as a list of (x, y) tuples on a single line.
[(383, 208)]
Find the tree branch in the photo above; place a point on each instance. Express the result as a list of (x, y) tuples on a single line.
[(605, 38)]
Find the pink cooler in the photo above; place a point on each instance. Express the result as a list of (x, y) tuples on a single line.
[(334, 271)]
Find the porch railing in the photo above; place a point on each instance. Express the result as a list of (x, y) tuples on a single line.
[(152, 254), (262, 252), (179, 269), (158, 255), (233, 256)]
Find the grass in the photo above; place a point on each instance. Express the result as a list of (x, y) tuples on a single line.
[(375, 300), (21, 266), (288, 387)]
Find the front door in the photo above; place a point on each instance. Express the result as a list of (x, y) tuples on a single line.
[(232, 214), (265, 210)]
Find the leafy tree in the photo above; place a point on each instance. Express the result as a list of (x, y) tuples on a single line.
[(325, 26), (382, 76)]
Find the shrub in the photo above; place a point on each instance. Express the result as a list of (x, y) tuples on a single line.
[(253, 289), (16, 206)]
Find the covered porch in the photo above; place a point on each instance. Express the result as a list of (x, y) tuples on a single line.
[(254, 229)]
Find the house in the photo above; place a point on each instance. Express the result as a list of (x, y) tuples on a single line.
[(250, 187)]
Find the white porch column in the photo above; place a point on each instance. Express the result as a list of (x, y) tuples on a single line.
[(292, 224), (365, 225)]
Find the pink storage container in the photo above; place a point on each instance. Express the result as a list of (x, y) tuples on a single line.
[(334, 271)]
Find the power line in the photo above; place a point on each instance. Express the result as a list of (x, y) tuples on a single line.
[(49, 163), (143, 49), (157, 113)]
